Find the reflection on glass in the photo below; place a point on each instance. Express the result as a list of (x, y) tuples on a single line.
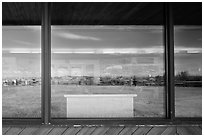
[(107, 71), (188, 71), (21, 71)]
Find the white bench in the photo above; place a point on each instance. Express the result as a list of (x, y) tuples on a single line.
[(100, 105)]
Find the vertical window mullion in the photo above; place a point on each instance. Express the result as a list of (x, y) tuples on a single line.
[(46, 62), (169, 61)]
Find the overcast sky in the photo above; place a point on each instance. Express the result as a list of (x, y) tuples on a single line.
[(141, 40)]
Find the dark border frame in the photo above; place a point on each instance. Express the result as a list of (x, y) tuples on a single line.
[(105, 121), (169, 60), (46, 84), (46, 63)]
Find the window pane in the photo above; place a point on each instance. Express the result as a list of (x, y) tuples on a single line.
[(188, 71), (188, 59), (107, 71), (21, 71)]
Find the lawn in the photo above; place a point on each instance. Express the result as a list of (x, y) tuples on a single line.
[(25, 101)]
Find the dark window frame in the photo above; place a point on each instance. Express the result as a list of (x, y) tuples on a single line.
[(46, 83)]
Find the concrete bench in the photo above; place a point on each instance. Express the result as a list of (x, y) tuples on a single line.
[(100, 105)]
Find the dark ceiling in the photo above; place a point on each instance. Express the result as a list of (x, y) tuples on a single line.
[(98, 13)]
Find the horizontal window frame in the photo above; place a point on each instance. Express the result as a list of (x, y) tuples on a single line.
[(104, 121)]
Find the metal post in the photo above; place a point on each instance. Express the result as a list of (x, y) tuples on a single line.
[(169, 59), (46, 63)]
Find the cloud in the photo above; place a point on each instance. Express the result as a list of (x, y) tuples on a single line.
[(29, 28), (23, 42), (33, 28), (115, 67), (72, 36), (157, 31)]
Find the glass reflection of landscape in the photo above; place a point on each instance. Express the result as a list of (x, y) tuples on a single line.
[(188, 71), (21, 71), (103, 60)]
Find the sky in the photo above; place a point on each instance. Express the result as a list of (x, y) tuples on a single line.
[(117, 49)]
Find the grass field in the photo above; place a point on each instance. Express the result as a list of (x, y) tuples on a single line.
[(25, 101)]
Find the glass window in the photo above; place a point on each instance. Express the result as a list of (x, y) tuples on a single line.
[(107, 71), (21, 77), (102, 70), (188, 71), (188, 59)]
